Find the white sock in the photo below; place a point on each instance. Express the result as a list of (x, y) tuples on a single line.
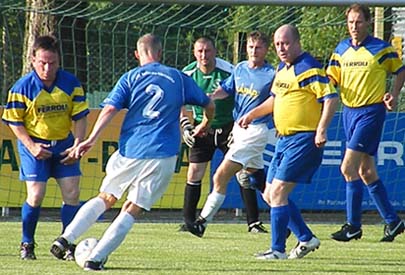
[(84, 218), (212, 205), (112, 237)]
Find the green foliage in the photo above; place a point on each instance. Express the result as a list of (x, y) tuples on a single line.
[(321, 29), (157, 248)]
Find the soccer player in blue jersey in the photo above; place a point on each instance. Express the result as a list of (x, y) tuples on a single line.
[(40, 109), (149, 143), (359, 66), (303, 102), (207, 71), (249, 85)]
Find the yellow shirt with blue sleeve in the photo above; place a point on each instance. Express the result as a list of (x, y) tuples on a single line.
[(299, 90), (361, 71), (46, 113)]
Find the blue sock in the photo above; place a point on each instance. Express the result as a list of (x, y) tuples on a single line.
[(297, 223), (29, 217), (279, 216), (354, 199), (379, 195), (258, 180), (67, 213)]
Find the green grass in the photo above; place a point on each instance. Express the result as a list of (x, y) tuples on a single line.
[(157, 248)]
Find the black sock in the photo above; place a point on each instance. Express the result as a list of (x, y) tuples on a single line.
[(250, 201), (192, 195)]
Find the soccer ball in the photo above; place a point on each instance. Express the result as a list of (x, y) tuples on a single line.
[(84, 249)]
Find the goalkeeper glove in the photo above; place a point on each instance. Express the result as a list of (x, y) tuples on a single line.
[(187, 131)]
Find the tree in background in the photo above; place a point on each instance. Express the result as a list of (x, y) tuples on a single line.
[(321, 28), (38, 21)]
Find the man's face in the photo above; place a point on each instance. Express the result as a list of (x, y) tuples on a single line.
[(204, 53), (357, 26), (256, 51), (287, 48), (46, 65)]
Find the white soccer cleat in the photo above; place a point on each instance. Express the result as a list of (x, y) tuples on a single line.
[(271, 255), (303, 248)]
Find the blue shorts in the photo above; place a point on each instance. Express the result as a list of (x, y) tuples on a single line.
[(363, 127), (32, 169), (296, 158)]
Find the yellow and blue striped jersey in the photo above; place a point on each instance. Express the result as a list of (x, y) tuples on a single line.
[(46, 113), (299, 90), (361, 71)]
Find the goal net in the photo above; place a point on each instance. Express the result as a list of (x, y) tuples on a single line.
[(98, 41)]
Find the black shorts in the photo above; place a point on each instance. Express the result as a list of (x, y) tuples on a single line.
[(204, 147)]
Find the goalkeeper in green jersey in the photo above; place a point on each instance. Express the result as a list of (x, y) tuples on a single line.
[(208, 71)]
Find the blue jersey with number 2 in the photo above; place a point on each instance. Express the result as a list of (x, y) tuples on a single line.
[(153, 94)]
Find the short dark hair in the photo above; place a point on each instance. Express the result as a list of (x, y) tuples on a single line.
[(360, 9), (47, 43), (205, 39), (259, 36)]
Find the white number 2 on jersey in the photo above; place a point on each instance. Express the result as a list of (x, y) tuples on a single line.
[(157, 95)]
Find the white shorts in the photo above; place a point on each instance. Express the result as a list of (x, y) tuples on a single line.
[(248, 145), (145, 179)]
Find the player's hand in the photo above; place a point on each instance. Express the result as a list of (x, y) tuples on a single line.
[(40, 151), (188, 132), (69, 154), (390, 101), (244, 121), (320, 138)]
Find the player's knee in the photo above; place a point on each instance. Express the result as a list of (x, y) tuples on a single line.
[(71, 196), (108, 199), (35, 199), (258, 180), (347, 170), (132, 209)]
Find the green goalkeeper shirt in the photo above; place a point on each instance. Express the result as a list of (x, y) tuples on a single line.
[(208, 83)]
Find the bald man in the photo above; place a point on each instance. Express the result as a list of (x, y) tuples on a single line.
[(303, 102)]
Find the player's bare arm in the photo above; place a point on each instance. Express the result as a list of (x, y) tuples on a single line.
[(219, 93), (105, 116), (209, 112), (38, 150), (80, 127), (263, 109), (329, 108), (391, 99)]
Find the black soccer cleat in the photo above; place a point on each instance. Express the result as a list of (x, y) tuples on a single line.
[(93, 266), (257, 227), (27, 251), (198, 227), (392, 230), (59, 248), (347, 233)]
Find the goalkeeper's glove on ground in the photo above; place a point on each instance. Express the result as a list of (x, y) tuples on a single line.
[(188, 130)]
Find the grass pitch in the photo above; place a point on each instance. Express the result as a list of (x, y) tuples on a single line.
[(157, 248)]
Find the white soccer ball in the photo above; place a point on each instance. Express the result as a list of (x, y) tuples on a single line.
[(84, 249)]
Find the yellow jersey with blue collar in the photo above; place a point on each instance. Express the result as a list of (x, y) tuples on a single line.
[(299, 90), (361, 71), (46, 113)]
